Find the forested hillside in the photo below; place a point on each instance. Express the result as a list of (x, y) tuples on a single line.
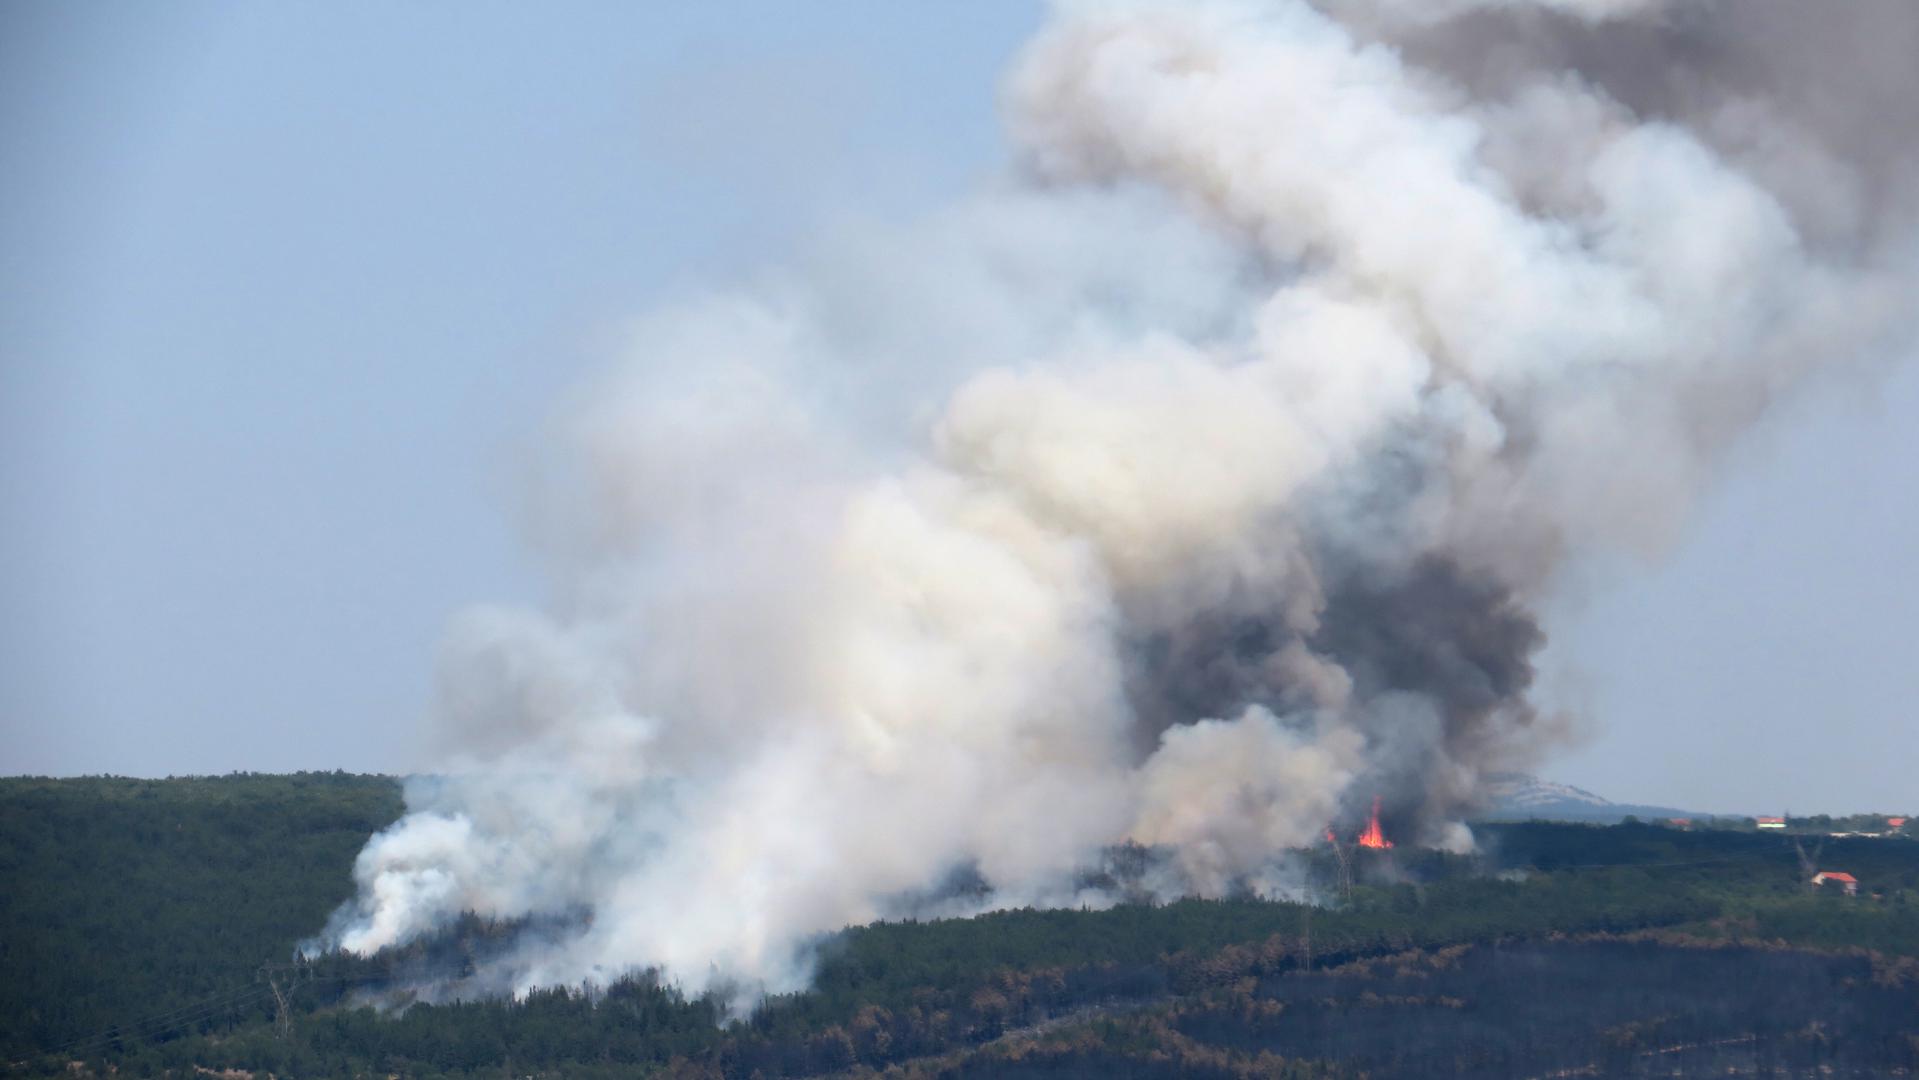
[(134, 898), (145, 912)]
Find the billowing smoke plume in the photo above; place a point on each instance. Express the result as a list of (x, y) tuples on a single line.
[(1191, 487)]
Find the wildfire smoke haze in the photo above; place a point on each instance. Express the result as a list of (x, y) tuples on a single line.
[(1201, 475)]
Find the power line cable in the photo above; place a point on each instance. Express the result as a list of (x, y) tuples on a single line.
[(193, 1012), (149, 1026)]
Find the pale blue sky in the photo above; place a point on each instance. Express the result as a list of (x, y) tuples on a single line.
[(283, 288)]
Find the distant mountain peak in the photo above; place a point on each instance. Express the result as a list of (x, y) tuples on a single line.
[(1519, 796), (1524, 789)]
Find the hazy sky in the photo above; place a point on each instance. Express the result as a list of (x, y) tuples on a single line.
[(285, 289)]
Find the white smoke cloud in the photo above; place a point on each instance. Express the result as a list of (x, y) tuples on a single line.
[(1190, 488)]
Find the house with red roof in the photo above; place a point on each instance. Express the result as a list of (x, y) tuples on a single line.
[(1835, 877)]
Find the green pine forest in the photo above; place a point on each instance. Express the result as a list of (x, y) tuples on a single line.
[(149, 928)]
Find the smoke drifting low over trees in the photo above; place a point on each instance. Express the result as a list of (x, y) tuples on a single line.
[(149, 931), (1193, 484)]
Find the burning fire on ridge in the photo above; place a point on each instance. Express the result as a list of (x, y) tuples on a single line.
[(1374, 836)]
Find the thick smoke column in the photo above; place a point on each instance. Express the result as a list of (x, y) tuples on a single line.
[(1192, 487)]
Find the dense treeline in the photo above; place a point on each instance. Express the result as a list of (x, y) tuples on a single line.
[(1190, 988)]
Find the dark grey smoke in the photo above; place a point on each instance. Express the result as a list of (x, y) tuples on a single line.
[(1819, 100)]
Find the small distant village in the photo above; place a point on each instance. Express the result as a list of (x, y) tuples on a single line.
[(1814, 830)]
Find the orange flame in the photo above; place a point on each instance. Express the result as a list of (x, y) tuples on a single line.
[(1374, 836)]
